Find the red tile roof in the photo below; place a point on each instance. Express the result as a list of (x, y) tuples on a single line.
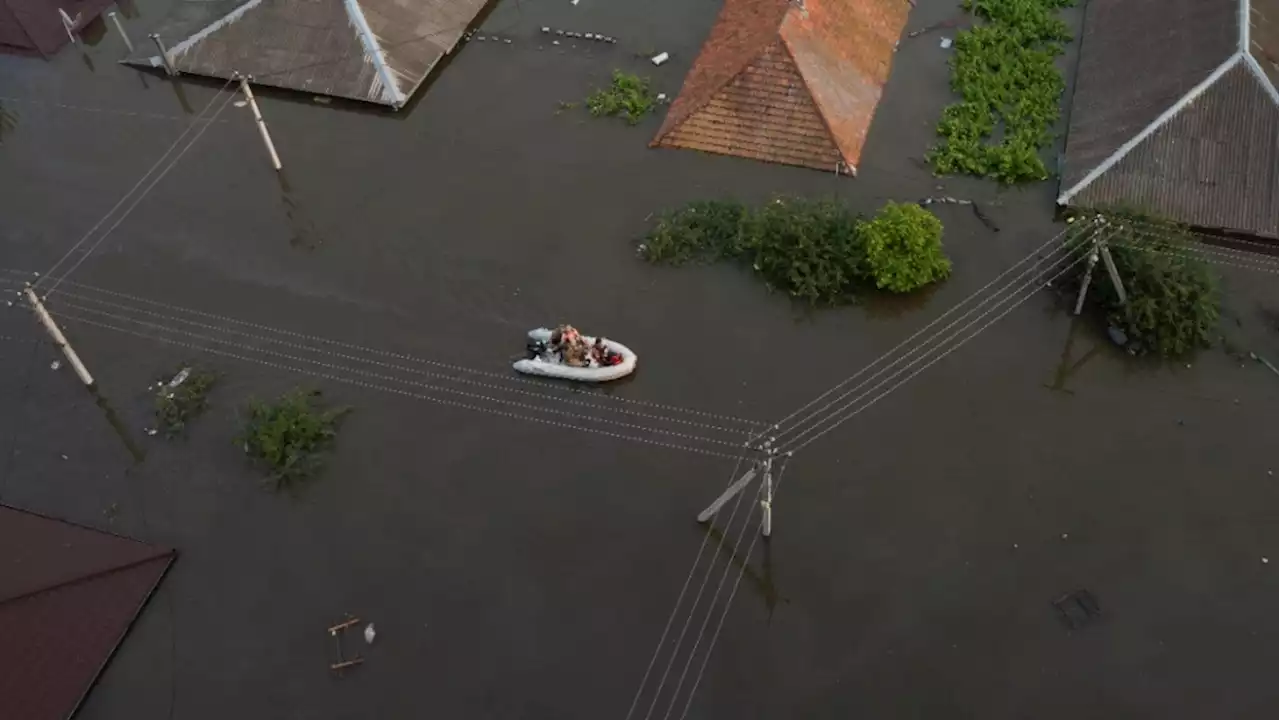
[(788, 82), (67, 597)]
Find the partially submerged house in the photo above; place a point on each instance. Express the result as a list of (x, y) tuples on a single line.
[(36, 27), (377, 51), (68, 595), (788, 81), (1175, 113)]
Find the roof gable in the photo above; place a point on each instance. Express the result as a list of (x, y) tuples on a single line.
[(1211, 165), (764, 113), (1137, 59), (67, 597), (832, 57)]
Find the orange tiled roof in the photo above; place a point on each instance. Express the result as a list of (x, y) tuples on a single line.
[(787, 82)]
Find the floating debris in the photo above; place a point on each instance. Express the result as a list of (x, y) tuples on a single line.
[(662, 97), (55, 365), (944, 43), (660, 58), (546, 29), (369, 634)]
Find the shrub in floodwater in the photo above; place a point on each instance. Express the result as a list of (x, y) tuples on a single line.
[(289, 436), (1173, 296), (627, 95), (814, 250), (180, 397)]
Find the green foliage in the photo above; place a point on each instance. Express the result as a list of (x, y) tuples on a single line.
[(1003, 72), (627, 95), (903, 247), (807, 248), (180, 397), (1173, 296), (701, 231), (814, 250), (289, 435)]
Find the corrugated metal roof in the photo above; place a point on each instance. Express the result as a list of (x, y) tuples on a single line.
[(1212, 165), (1137, 59), (370, 50), (788, 82), (67, 597), (1170, 115)]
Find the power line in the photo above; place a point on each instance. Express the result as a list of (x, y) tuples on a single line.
[(135, 187), (396, 391), (1034, 284), (413, 383), (782, 423), (545, 388), (728, 603)]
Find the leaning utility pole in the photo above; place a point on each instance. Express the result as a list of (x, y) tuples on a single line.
[(763, 469), (262, 124), (1099, 249), (58, 338)]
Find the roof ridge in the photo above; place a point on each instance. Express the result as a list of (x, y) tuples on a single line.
[(373, 49), (817, 104), (1161, 120), (201, 34), (156, 555)]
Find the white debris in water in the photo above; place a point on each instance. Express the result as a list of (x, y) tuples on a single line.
[(546, 29), (241, 103), (1265, 561), (1064, 536), (662, 97), (151, 431), (369, 634), (660, 58), (944, 43), (55, 365)]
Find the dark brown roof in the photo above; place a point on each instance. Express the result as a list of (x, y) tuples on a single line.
[(67, 596), (33, 26), (788, 82), (1154, 119), (315, 46)]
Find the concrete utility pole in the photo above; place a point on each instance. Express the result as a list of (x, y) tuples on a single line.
[(115, 19), (164, 54), (262, 124), (764, 469), (58, 338)]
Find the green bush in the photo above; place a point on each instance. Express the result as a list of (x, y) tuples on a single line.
[(699, 232), (181, 396), (1008, 85), (627, 95), (806, 248), (288, 436), (1173, 297), (814, 250), (903, 248)]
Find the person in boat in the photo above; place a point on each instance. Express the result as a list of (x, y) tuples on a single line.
[(603, 356), (572, 348)]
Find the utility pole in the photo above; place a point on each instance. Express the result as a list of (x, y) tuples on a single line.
[(58, 338), (164, 54), (1099, 249), (762, 469), (262, 124), (115, 19)]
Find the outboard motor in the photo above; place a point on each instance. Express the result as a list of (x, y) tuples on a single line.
[(536, 349)]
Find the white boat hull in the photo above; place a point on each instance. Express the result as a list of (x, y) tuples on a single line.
[(556, 369)]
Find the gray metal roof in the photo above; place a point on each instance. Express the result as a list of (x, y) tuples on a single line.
[(376, 51), (1171, 112)]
